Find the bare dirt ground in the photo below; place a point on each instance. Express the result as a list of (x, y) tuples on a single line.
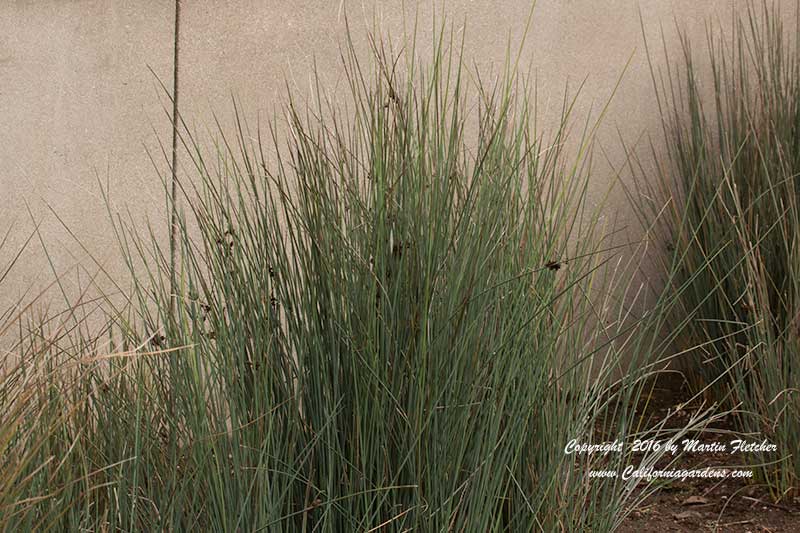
[(709, 505)]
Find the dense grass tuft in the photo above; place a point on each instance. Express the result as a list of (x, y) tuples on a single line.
[(384, 317), (730, 228)]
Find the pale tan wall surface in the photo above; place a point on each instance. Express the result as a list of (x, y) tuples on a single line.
[(77, 103), (77, 98)]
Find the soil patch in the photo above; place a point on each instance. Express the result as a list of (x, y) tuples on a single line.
[(718, 505)]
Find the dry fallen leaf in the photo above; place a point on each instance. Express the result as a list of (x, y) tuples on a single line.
[(695, 500), (687, 515)]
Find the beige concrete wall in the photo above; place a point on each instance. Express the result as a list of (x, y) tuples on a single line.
[(77, 104), (78, 100)]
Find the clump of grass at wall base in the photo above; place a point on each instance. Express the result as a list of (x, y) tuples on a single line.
[(367, 330), (725, 208)]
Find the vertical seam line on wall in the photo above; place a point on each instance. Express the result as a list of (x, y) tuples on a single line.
[(174, 175)]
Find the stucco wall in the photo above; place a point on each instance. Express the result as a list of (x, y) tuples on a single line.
[(80, 100)]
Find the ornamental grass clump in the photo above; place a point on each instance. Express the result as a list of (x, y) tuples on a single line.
[(64, 412), (731, 228), (384, 315)]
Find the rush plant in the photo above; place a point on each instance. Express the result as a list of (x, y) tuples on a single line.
[(725, 210), (386, 314)]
